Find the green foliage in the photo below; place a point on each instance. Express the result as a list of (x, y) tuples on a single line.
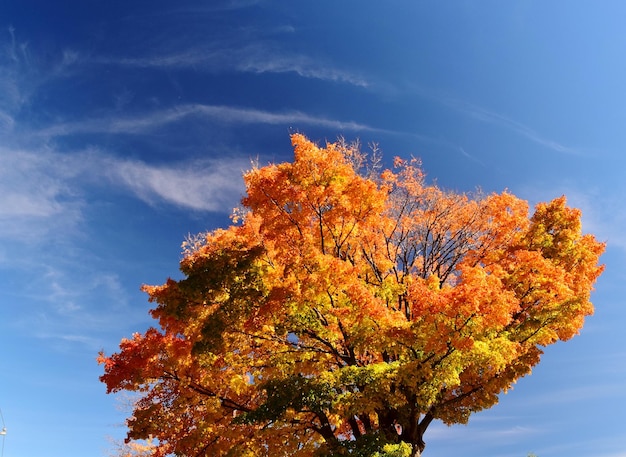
[(395, 450)]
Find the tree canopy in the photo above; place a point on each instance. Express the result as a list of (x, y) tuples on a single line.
[(347, 308)]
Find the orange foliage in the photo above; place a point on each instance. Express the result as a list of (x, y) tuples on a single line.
[(347, 312)]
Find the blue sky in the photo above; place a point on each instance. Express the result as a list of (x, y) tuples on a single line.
[(125, 126)]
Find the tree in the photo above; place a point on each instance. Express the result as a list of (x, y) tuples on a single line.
[(347, 309), (136, 449)]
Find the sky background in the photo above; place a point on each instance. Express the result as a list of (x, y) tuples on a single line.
[(125, 126)]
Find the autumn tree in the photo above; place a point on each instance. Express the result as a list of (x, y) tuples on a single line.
[(347, 309), (135, 449)]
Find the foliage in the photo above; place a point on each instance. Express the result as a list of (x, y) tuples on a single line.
[(136, 448), (346, 311)]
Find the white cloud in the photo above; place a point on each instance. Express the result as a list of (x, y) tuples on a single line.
[(145, 123), (36, 195), (293, 118), (11, 67), (600, 210), (92, 343), (6, 122), (256, 58), (259, 59), (491, 117), (45, 191), (69, 298), (23, 73), (601, 214), (497, 433), (215, 6), (60, 288), (212, 185), (602, 446), (12, 47), (573, 395)]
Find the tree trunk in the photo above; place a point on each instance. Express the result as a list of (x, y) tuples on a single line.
[(418, 448), (418, 435)]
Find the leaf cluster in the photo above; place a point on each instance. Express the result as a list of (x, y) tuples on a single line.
[(348, 310)]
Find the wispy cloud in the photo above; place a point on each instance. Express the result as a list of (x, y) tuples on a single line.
[(579, 444), (216, 113), (257, 59), (469, 156), (6, 122), (574, 394), (11, 66), (600, 214), (40, 187), (488, 116), (251, 58), (75, 298), (477, 434), (216, 6), (12, 47), (23, 75), (212, 185), (36, 195), (491, 117), (73, 302)]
